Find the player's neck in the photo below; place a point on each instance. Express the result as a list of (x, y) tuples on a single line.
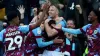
[(12, 24), (94, 23), (55, 17)]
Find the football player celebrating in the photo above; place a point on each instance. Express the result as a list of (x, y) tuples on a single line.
[(35, 42), (92, 31), (13, 36)]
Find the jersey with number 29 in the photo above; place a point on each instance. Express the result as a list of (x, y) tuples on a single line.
[(14, 41)]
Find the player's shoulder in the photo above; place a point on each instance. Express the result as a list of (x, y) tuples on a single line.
[(2, 31), (24, 28), (37, 31), (88, 25)]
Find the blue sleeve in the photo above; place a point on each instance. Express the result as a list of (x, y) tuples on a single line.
[(83, 29), (37, 31), (72, 31), (43, 44), (24, 28), (1, 35), (63, 23), (98, 29)]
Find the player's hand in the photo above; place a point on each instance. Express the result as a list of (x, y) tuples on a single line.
[(46, 7), (21, 9), (58, 41), (48, 1), (78, 7)]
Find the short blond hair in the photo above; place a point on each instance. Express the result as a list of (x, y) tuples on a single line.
[(55, 8)]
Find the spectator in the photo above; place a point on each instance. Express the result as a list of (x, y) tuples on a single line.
[(70, 8), (12, 5), (72, 43)]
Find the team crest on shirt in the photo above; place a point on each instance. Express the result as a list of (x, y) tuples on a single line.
[(39, 31), (95, 31)]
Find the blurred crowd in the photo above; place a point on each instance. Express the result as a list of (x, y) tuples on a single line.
[(67, 9)]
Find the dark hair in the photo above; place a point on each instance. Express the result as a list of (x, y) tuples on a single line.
[(97, 13), (51, 22), (71, 20), (11, 15)]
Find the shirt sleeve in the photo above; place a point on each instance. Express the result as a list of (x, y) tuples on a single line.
[(24, 28), (43, 44), (83, 29), (1, 35), (71, 31), (76, 31), (38, 33), (63, 23)]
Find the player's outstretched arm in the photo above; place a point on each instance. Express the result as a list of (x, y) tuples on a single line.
[(72, 31), (41, 43)]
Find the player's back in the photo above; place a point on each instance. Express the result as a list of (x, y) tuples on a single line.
[(13, 42)]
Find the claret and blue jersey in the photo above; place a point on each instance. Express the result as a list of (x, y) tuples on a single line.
[(13, 40), (93, 34)]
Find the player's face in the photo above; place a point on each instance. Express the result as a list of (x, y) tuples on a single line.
[(52, 11), (92, 17), (70, 24), (16, 20)]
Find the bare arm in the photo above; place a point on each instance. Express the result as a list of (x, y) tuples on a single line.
[(41, 17), (50, 32)]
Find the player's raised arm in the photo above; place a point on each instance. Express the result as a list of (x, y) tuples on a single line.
[(45, 9)]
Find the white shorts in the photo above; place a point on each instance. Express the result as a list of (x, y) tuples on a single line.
[(52, 53)]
